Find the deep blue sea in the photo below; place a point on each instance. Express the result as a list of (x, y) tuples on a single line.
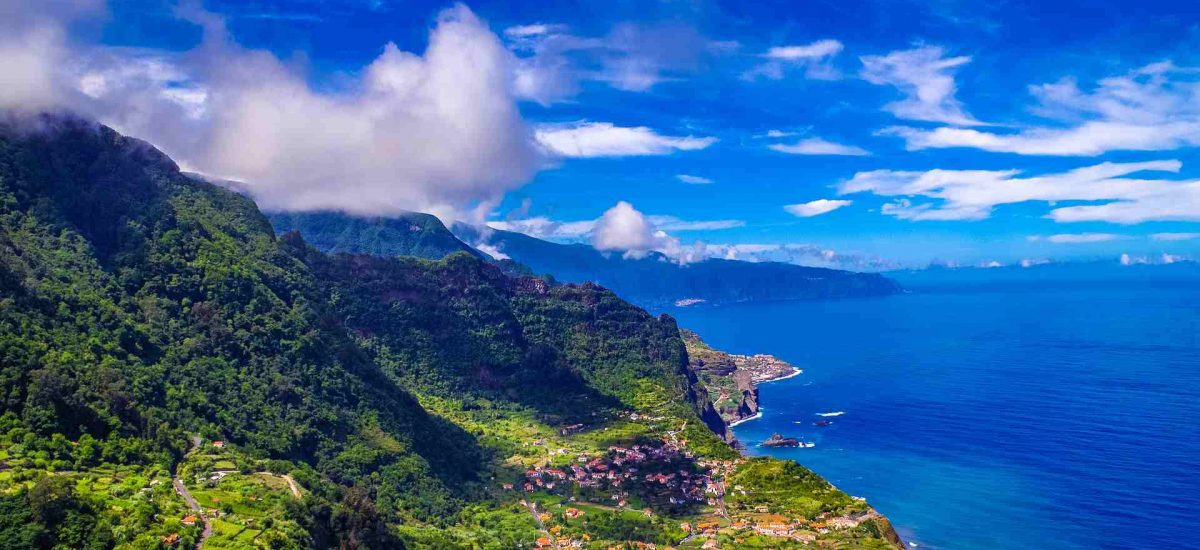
[(1016, 415)]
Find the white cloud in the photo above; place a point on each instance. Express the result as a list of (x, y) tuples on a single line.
[(795, 253), (1162, 259), (34, 50), (926, 77), (779, 134), (525, 31), (817, 50), (814, 58), (818, 146), (1082, 238), (603, 139), (1154, 108), (815, 208), (671, 223), (546, 228), (438, 132), (972, 194), (626, 230), (1175, 236), (631, 57), (694, 180), (623, 228), (490, 250)]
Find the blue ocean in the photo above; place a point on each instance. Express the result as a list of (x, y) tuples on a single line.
[(1007, 415)]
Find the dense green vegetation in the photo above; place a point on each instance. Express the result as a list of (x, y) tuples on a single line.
[(405, 234), (653, 281), (155, 331)]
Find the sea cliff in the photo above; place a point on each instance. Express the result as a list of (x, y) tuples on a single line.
[(733, 379), (731, 382)]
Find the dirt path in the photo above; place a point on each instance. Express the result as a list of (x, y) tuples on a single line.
[(292, 485)]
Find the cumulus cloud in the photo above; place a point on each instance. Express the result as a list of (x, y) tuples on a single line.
[(815, 208), (437, 132), (972, 194), (623, 228), (603, 139), (818, 146), (694, 180), (1175, 236), (815, 59), (1154, 108), (926, 77), (1162, 259)]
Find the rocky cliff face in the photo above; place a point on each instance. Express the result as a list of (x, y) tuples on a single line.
[(732, 379)]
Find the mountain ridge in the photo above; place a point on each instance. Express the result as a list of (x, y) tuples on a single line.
[(653, 281), (156, 332)]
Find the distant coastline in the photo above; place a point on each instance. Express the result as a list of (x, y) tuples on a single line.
[(795, 372)]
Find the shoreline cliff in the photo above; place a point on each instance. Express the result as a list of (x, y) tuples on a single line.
[(732, 384)]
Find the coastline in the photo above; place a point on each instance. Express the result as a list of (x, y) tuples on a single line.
[(887, 530), (758, 414), (755, 416), (795, 372)]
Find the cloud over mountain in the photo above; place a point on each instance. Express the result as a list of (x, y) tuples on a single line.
[(438, 131)]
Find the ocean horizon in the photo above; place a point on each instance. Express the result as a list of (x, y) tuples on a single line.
[(1002, 415)]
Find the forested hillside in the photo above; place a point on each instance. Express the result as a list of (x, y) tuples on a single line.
[(175, 373), (653, 281), (407, 234)]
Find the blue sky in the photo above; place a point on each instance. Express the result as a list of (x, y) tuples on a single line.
[(859, 134)]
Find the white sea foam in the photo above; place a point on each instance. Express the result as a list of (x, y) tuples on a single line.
[(756, 416), (835, 413), (795, 372)]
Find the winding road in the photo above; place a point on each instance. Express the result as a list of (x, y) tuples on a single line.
[(191, 501), (541, 525)]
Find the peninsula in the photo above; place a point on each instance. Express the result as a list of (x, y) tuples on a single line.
[(734, 379)]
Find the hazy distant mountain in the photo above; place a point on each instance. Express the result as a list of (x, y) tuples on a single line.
[(1139, 271), (656, 281), (407, 234)]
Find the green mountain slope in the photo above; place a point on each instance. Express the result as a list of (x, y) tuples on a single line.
[(406, 234), (174, 373), (653, 281)]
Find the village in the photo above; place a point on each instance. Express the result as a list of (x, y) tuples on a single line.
[(657, 481)]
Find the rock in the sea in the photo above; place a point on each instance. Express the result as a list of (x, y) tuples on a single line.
[(777, 440)]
